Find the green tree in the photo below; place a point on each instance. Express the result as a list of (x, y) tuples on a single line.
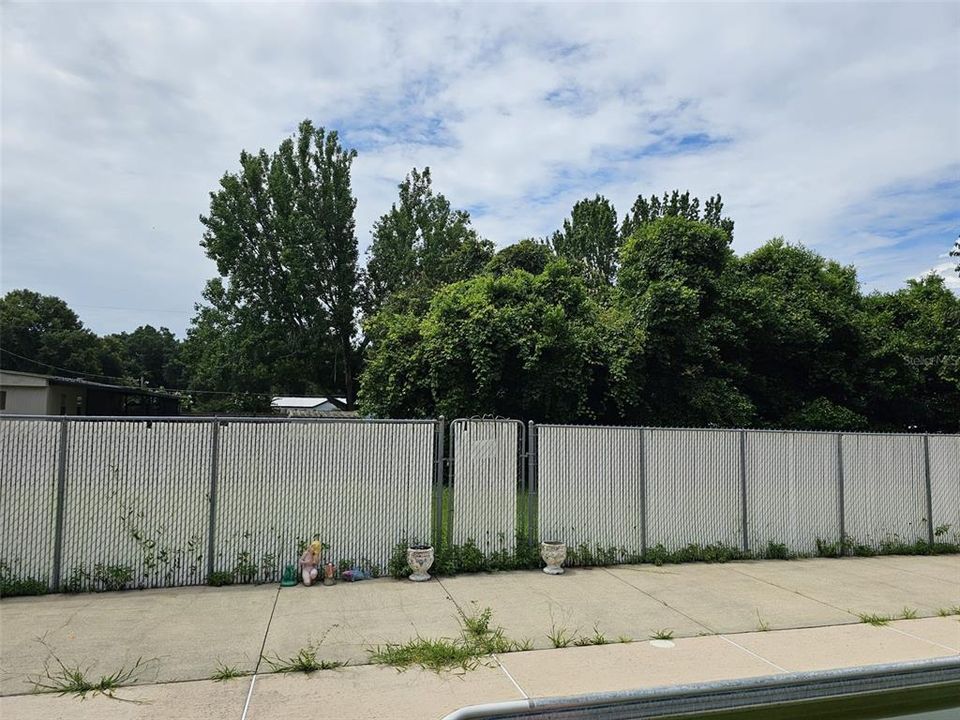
[(676, 284), (150, 355), (589, 238), (41, 334), (528, 254), (420, 245), (675, 204), (955, 252), (281, 231), (806, 350), (517, 345), (913, 368)]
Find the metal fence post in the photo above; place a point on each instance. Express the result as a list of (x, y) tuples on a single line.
[(531, 480), (439, 455), (214, 473), (840, 504), (61, 497), (743, 491), (643, 495), (926, 475)]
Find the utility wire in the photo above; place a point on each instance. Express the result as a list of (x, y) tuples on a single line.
[(116, 377)]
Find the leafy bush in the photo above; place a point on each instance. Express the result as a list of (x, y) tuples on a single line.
[(219, 578), (777, 551), (17, 587), (112, 577), (713, 553)]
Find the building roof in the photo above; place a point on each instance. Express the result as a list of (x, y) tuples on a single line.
[(307, 403), (77, 382)]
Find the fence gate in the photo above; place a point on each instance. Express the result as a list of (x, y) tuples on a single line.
[(487, 483)]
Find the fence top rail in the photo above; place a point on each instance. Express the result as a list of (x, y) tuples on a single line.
[(462, 421), (222, 419), (750, 430)]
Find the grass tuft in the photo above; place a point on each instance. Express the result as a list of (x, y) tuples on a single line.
[(560, 637), (948, 611), (72, 679), (875, 620), (908, 614), (304, 661), (227, 672), (478, 638), (762, 625), (662, 635)]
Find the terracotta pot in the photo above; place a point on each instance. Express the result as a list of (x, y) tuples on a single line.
[(420, 558), (553, 554)]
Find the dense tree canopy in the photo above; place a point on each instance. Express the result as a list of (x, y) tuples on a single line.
[(650, 321), (518, 345), (39, 333)]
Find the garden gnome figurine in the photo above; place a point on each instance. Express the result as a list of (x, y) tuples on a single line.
[(309, 562)]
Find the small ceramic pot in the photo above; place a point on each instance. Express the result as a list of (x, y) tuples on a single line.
[(553, 554), (420, 558)]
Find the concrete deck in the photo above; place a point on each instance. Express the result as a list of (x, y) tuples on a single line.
[(715, 612)]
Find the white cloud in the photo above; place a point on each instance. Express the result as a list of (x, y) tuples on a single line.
[(841, 125)]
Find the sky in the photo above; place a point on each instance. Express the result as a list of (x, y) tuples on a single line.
[(835, 126)]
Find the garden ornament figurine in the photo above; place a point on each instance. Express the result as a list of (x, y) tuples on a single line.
[(309, 562)]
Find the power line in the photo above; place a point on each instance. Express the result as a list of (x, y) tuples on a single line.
[(133, 309), (115, 377)]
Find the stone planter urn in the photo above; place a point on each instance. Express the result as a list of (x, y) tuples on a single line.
[(553, 554), (420, 558)]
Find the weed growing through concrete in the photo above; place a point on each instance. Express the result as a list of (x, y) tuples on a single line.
[(304, 661), (598, 638), (72, 679), (948, 611), (523, 645), (227, 672), (478, 638), (875, 620), (762, 625), (624, 639), (662, 635), (560, 637), (908, 614)]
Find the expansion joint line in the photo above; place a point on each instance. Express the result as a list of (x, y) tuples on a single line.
[(263, 645)]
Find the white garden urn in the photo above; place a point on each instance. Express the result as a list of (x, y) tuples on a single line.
[(553, 554), (420, 558)]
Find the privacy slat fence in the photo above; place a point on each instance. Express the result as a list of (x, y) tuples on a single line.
[(29, 454), (173, 500), (166, 502), (793, 488), (359, 487), (590, 486), (884, 488), (487, 474), (944, 464)]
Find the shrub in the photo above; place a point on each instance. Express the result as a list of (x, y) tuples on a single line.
[(18, 587), (112, 577), (219, 578), (777, 551)]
